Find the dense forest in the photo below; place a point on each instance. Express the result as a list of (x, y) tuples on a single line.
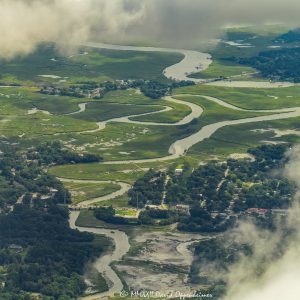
[(39, 253), (277, 65), (219, 192), (23, 180), (158, 217), (289, 37), (212, 197), (147, 189)]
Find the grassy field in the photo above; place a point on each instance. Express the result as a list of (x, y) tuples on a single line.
[(92, 64), (86, 191), (249, 98), (120, 141), (130, 96), (87, 219), (258, 38), (99, 111), (110, 142), (118, 202), (157, 140), (126, 212), (96, 171), (177, 113), (100, 283), (239, 138), (40, 125), (219, 69), (214, 112), (18, 100)]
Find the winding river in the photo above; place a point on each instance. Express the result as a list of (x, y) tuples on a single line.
[(180, 147), (176, 150), (192, 62), (124, 188), (103, 264)]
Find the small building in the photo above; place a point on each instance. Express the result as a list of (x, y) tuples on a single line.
[(280, 212), (259, 211), (17, 248), (183, 208), (178, 172), (158, 207)]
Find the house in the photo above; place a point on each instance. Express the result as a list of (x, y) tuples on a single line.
[(17, 248), (183, 208), (178, 172), (280, 212), (259, 211)]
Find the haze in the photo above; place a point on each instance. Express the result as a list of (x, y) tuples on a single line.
[(25, 24)]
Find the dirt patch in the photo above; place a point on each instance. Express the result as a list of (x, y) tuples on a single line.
[(280, 133), (241, 156), (159, 261), (141, 278)]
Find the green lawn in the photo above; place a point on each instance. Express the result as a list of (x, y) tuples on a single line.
[(127, 212)]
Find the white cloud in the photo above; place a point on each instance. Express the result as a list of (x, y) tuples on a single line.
[(281, 276), (25, 23)]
